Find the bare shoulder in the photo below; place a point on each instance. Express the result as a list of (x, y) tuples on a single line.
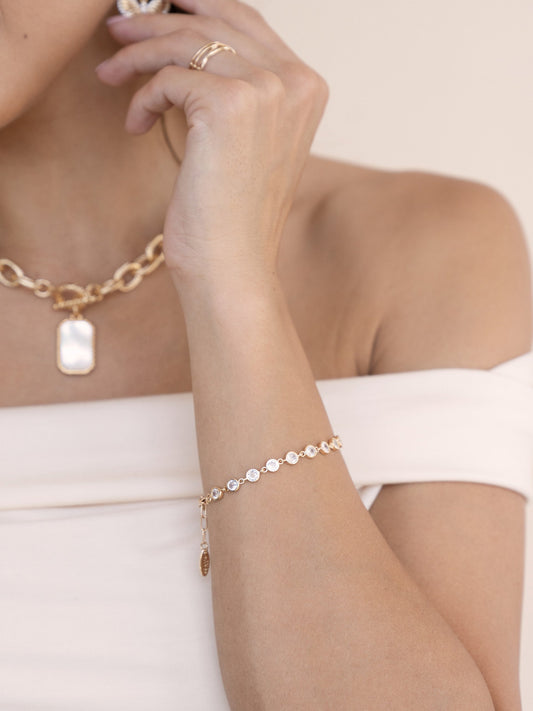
[(444, 260)]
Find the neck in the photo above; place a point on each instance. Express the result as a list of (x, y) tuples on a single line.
[(78, 195)]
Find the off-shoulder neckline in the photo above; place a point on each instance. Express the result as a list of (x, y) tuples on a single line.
[(321, 383), (504, 365)]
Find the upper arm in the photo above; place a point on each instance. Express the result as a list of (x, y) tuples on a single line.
[(463, 544), (460, 296)]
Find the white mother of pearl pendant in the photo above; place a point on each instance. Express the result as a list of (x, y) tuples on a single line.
[(75, 346)]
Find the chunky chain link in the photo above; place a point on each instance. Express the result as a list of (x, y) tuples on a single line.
[(74, 297)]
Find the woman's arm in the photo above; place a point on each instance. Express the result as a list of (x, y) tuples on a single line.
[(313, 609)]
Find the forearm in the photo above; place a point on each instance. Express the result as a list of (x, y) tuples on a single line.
[(312, 609)]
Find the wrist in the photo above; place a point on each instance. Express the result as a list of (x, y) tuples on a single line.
[(228, 285)]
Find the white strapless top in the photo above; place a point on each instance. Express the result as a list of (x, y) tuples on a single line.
[(447, 424), (102, 605)]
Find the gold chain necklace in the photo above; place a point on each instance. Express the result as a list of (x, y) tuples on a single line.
[(75, 350), (76, 343)]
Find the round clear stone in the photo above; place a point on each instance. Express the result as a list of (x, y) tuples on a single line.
[(292, 457), (233, 484), (253, 474), (311, 451), (272, 465), (324, 447), (216, 494), (338, 442)]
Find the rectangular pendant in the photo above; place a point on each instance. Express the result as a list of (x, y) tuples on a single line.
[(75, 346)]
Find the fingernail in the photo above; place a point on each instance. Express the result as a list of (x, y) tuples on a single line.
[(116, 18), (101, 65)]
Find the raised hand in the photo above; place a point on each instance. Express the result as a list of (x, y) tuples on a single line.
[(251, 119)]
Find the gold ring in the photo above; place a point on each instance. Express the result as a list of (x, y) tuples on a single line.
[(201, 57)]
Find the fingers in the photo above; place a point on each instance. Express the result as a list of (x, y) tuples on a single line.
[(208, 18), (139, 27), (163, 45), (176, 48), (130, 32), (203, 97)]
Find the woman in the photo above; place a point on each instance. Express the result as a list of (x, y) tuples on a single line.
[(406, 296)]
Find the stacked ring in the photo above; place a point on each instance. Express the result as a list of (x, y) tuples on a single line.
[(201, 57)]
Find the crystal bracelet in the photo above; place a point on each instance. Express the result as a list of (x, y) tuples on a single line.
[(253, 475)]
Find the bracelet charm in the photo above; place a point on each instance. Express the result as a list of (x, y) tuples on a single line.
[(204, 555), (252, 475)]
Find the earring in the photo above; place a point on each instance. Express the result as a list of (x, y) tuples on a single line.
[(137, 7)]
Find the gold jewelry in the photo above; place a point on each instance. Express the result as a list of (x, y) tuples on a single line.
[(75, 350), (139, 7), (252, 475), (202, 56)]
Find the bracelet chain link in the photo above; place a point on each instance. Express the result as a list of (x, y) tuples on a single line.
[(252, 475)]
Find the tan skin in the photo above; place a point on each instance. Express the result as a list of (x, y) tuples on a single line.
[(21, 220), (434, 274)]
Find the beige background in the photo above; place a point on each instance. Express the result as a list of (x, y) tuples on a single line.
[(444, 87)]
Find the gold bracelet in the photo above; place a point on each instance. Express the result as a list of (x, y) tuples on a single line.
[(253, 475)]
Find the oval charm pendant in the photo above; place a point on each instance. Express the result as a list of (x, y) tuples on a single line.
[(204, 561)]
